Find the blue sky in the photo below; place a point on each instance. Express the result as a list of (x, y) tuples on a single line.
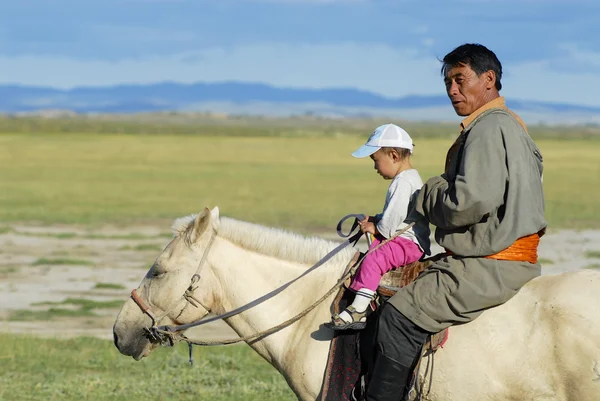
[(550, 49)]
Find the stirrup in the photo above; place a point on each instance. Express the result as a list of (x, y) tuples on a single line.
[(359, 320), (358, 391)]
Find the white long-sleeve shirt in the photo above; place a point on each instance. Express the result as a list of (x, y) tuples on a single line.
[(399, 201)]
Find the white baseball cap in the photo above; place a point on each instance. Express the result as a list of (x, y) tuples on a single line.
[(387, 135)]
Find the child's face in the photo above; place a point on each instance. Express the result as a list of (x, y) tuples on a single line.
[(386, 163)]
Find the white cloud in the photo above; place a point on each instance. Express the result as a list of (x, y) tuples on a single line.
[(582, 57), (571, 78), (428, 42), (537, 80)]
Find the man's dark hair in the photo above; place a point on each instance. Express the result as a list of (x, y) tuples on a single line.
[(478, 57)]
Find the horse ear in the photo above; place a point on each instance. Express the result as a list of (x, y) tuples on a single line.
[(215, 219), (199, 226)]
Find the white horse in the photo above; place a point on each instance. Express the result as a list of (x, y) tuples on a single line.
[(544, 344)]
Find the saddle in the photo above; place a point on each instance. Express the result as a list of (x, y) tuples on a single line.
[(394, 280), (346, 367)]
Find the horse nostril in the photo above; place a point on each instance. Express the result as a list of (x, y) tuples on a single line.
[(116, 339)]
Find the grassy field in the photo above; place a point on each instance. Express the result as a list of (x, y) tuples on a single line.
[(173, 123), (300, 182), (89, 369), (293, 174)]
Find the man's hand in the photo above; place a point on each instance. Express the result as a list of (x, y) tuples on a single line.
[(367, 227)]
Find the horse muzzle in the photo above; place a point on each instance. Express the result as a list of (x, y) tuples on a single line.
[(134, 343)]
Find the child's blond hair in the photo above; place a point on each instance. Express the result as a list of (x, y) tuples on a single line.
[(402, 152)]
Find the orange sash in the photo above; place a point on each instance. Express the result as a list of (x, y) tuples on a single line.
[(522, 250)]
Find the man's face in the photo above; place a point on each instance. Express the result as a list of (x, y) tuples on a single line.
[(466, 90)]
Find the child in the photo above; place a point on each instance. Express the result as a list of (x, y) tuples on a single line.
[(390, 148)]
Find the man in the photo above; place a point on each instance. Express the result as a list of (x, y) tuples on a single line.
[(488, 209)]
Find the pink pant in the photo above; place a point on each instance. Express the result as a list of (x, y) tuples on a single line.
[(396, 253)]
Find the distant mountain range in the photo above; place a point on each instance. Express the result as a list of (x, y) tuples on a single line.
[(250, 98)]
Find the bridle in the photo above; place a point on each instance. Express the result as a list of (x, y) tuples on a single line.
[(188, 296)]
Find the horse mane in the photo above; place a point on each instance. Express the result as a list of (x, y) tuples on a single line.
[(269, 241)]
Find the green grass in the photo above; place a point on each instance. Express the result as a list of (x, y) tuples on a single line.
[(132, 236), (108, 286), (142, 247), (65, 235), (8, 269), (75, 307), (203, 124), (592, 254), (90, 369), (46, 235), (593, 266), (177, 124), (27, 315), (544, 261), (62, 261), (5, 230), (86, 303), (51, 235), (70, 235), (297, 182)]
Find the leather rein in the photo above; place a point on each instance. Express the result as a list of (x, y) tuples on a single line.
[(168, 335)]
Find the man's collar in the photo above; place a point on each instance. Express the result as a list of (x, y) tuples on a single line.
[(496, 103)]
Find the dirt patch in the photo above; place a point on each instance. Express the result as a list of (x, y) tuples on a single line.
[(58, 264), (43, 269)]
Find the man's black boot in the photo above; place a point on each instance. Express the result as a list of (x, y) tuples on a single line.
[(388, 380)]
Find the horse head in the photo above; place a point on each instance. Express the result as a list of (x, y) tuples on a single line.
[(178, 289)]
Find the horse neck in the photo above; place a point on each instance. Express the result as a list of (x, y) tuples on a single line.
[(244, 276)]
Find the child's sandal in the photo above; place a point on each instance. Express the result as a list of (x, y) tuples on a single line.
[(359, 320)]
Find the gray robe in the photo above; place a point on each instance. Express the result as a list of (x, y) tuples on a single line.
[(490, 195)]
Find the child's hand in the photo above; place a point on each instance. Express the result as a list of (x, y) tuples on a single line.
[(367, 227)]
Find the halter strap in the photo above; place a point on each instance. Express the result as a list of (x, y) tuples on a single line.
[(189, 293), (145, 308)]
